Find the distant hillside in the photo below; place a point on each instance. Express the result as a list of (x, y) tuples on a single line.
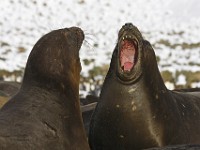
[(172, 27)]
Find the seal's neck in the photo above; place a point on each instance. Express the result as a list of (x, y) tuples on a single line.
[(152, 76), (153, 79), (64, 88), (62, 102)]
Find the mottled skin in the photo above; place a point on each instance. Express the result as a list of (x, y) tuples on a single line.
[(137, 111), (45, 113)]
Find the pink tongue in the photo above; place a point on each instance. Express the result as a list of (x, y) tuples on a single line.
[(127, 55), (128, 66)]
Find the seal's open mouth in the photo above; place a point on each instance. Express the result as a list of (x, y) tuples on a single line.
[(128, 53)]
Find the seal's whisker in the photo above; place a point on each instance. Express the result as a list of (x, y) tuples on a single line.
[(89, 33), (91, 47), (50, 28), (90, 38)]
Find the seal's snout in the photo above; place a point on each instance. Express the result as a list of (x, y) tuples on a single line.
[(81, 36), (74, 31), (128, 26), (78, 31), (76, 34), (129, 56)]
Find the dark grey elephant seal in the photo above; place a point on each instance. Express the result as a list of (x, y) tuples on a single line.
[(136, 110), (45, 113)]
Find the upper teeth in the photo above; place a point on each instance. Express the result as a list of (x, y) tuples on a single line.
[(127, 37), (130, 37)]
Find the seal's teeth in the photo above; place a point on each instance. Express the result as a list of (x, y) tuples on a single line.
[(130, 36), (126, 36), (123, 38), (135, 43)]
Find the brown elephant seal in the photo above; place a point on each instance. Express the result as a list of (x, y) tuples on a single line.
[(136, 110), (45, 113)]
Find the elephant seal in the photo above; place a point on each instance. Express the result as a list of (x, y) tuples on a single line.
[(136, 110), (45, 113)]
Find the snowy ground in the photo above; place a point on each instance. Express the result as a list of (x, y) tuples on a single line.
[(23, 22)]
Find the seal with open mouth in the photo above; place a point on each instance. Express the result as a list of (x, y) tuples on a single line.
[(136, 110), (45, 113)]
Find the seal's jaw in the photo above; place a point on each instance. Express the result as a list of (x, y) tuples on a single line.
[(129, 54)]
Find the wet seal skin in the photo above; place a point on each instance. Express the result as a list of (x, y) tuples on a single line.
[(136, 110), (45, 114)]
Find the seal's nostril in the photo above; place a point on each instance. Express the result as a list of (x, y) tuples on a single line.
[(128, 25)]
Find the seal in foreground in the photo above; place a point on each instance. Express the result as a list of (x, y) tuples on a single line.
[(136, 110)]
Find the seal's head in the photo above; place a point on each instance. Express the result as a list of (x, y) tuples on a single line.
[(54, 60), (134, 57), (129, 53)]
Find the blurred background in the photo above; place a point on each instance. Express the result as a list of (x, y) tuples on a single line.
[(172, 27)]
